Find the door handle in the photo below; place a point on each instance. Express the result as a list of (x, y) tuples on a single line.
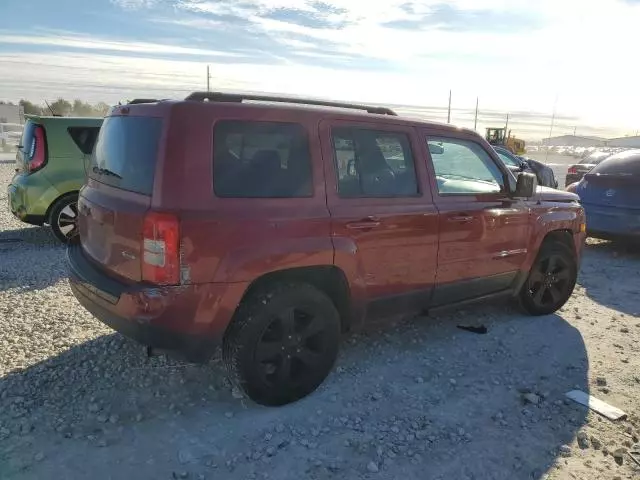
[(364, 224), (460, 218)]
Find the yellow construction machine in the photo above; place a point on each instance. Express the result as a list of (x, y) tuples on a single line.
[(499, 137)]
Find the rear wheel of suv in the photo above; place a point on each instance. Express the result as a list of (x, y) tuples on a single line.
[(64, 218), (282, 343), (551, 279)]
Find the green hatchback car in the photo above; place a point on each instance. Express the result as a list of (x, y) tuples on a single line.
[(50, 171)]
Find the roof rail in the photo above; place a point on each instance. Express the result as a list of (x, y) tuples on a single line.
[(238, 98)]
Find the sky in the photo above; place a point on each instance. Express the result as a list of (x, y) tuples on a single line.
[(520, 57)]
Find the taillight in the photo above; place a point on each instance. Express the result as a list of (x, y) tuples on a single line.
[(572, 169), (160, 249), (38, 151)]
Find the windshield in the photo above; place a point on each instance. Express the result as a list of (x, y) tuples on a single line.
[(125, 154), (508, 160)]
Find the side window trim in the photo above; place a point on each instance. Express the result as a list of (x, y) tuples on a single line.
[(406, 145), (506, 184)]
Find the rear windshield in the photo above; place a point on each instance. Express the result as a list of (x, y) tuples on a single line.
[(625, 166), (126, 152), (594, 159), (261, 160)]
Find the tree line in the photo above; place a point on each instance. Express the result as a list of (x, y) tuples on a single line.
[(64, 108)]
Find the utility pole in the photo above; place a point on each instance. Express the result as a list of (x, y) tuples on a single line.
[(449, 111), (506, 126), (553, 119), (475, 121), (574, 131), (208, 78)]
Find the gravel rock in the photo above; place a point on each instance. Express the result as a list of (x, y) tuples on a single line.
[(596, 443), (565, 450), (373, 467), (531, 398), (618, 455), (601, 381), (583, 440)]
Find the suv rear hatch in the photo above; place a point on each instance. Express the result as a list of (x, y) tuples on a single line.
[(114, 203)]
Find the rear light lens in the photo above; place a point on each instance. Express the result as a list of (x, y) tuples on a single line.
[(161, 249), (572, 169), (38, 151)]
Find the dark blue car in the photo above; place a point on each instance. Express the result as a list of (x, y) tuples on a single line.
[(610, 194)]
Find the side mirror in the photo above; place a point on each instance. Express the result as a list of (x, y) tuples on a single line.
[(436, 149), (526, 185)]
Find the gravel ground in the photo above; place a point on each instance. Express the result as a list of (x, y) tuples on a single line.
[(417, 398)]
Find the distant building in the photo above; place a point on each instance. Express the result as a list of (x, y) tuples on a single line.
[(11, 114), (628, 142), (574, 141)]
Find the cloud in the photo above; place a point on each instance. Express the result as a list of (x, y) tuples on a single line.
[(92, 43), (134, 4)]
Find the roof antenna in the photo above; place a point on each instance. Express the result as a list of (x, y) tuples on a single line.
[(50, 109)]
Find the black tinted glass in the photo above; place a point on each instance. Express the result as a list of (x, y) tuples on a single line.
[(126, 153), (261, 160), (84, 137)]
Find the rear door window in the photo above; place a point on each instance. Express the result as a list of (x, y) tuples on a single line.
[(261, 160), (126, 153), (84, 137)]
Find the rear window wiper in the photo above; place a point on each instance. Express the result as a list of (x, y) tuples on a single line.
[(106, 171)]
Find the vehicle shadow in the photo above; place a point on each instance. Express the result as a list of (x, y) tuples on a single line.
[(606, 267), (23, 247), (421, 399)]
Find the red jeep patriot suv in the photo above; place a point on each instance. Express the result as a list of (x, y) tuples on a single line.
[(270, 227)]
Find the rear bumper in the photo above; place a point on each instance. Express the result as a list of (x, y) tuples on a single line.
[(612, 222), (30, 196), (190, 319)]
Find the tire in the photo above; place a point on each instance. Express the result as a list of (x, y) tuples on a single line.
[(64, 214), (272, 367), (551, 280)]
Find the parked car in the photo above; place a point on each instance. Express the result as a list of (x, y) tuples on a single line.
[(517, 163), (272, 229), (577, 171), (610, 194), (50, 171), (9, 135)]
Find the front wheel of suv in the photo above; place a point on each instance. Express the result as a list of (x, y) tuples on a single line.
[(282, 343), (64, 218), (551, 280)]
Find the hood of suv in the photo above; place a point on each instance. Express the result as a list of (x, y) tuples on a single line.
[(547, 194)]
